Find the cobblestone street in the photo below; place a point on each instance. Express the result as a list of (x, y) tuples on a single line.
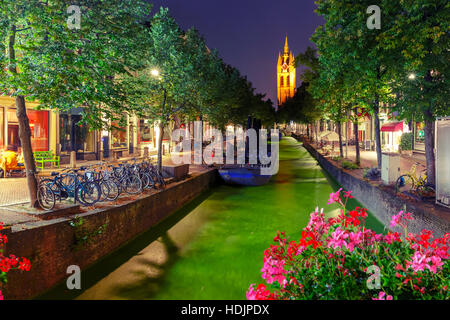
[(13, 191)]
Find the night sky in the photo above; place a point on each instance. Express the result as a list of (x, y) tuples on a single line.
[(249, 33)]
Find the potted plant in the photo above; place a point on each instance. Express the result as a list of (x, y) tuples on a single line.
[(338, 258)]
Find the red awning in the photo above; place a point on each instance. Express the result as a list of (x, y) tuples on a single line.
[(392, 127)]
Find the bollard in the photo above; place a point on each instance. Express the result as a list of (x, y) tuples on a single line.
[(73, 159)]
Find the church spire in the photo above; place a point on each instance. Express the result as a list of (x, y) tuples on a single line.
[(286, 46)]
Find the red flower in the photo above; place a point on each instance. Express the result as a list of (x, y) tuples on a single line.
[(25, 264)]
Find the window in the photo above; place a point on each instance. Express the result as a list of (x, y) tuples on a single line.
[(145, 131), (281, 81), (38, 125), (288, 81), (75, 135)]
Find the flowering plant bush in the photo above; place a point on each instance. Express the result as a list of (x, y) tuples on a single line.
[(339, 258), (10, 263)]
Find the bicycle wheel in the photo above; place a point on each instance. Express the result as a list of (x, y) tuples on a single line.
[(68, 181), (426, 191), (90, 193), (402, 181), (133, 184), (46, 197), (114, 190), (105, 188), (146, 182), (59, 194)]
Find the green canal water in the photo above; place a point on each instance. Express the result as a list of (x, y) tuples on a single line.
[(213, 247)]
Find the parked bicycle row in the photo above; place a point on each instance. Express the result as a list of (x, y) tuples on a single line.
[(98, 183)]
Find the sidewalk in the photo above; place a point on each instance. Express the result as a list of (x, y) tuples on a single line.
[(14, 190), (369, 159)]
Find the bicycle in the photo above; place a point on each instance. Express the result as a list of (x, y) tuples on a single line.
[(419, 184), (46, 197), (72, 184)]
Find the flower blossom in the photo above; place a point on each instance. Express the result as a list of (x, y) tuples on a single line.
[(273, 270), (337, 239), (261, 293), (381, 296), (335, 197), (401, 219)]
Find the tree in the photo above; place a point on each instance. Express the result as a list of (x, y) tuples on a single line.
[(346, 40), (420, 37), (172, 80), (63, 68)]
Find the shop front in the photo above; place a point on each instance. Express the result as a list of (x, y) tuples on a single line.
[(391, 135), (40, 125), (76, 136)]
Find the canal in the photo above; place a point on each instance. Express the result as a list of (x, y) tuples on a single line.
[(213, 248)]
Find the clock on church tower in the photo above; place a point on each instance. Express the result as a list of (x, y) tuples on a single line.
[(286, 74)]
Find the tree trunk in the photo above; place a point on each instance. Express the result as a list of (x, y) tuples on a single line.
[(355, 128), (160, 140), (25, 140), (429, 147), (429, 138), (376, 109), (341, 150), (24, 127)]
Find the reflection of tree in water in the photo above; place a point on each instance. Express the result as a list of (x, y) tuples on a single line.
[(148, 285)]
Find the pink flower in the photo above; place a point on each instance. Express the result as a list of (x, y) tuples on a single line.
[(1, 295), (381, 295), (273, 270), (335, 197), (347, 194), (401, 219), (261, 293), (317, 222), (337, 239), (355, 239), (421, 261)]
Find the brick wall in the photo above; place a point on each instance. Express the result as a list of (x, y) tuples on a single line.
[(49, 244), (383, 204)]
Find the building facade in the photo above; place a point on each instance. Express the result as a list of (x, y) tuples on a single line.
[(286, 75)]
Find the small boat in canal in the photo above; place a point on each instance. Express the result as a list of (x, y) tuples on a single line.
[(246, 175)]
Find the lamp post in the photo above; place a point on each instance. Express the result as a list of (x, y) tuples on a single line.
[(155, 73), (160, 125), (412, 77)]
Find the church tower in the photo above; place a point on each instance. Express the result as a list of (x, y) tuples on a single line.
[(285, 75)]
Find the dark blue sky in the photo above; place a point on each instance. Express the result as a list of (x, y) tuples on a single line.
[(249, 33)]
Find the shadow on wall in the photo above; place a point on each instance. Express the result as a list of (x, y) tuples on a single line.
[(110, 263)]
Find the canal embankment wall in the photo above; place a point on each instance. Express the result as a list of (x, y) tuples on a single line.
[(54, 245), (384, 204)]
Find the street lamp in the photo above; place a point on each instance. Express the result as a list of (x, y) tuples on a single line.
[(155, 72), (411, 76)]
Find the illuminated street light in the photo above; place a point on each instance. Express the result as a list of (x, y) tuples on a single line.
[(155, 72), (412, 76)]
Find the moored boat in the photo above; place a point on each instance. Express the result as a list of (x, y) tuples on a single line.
[(247, 175)]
